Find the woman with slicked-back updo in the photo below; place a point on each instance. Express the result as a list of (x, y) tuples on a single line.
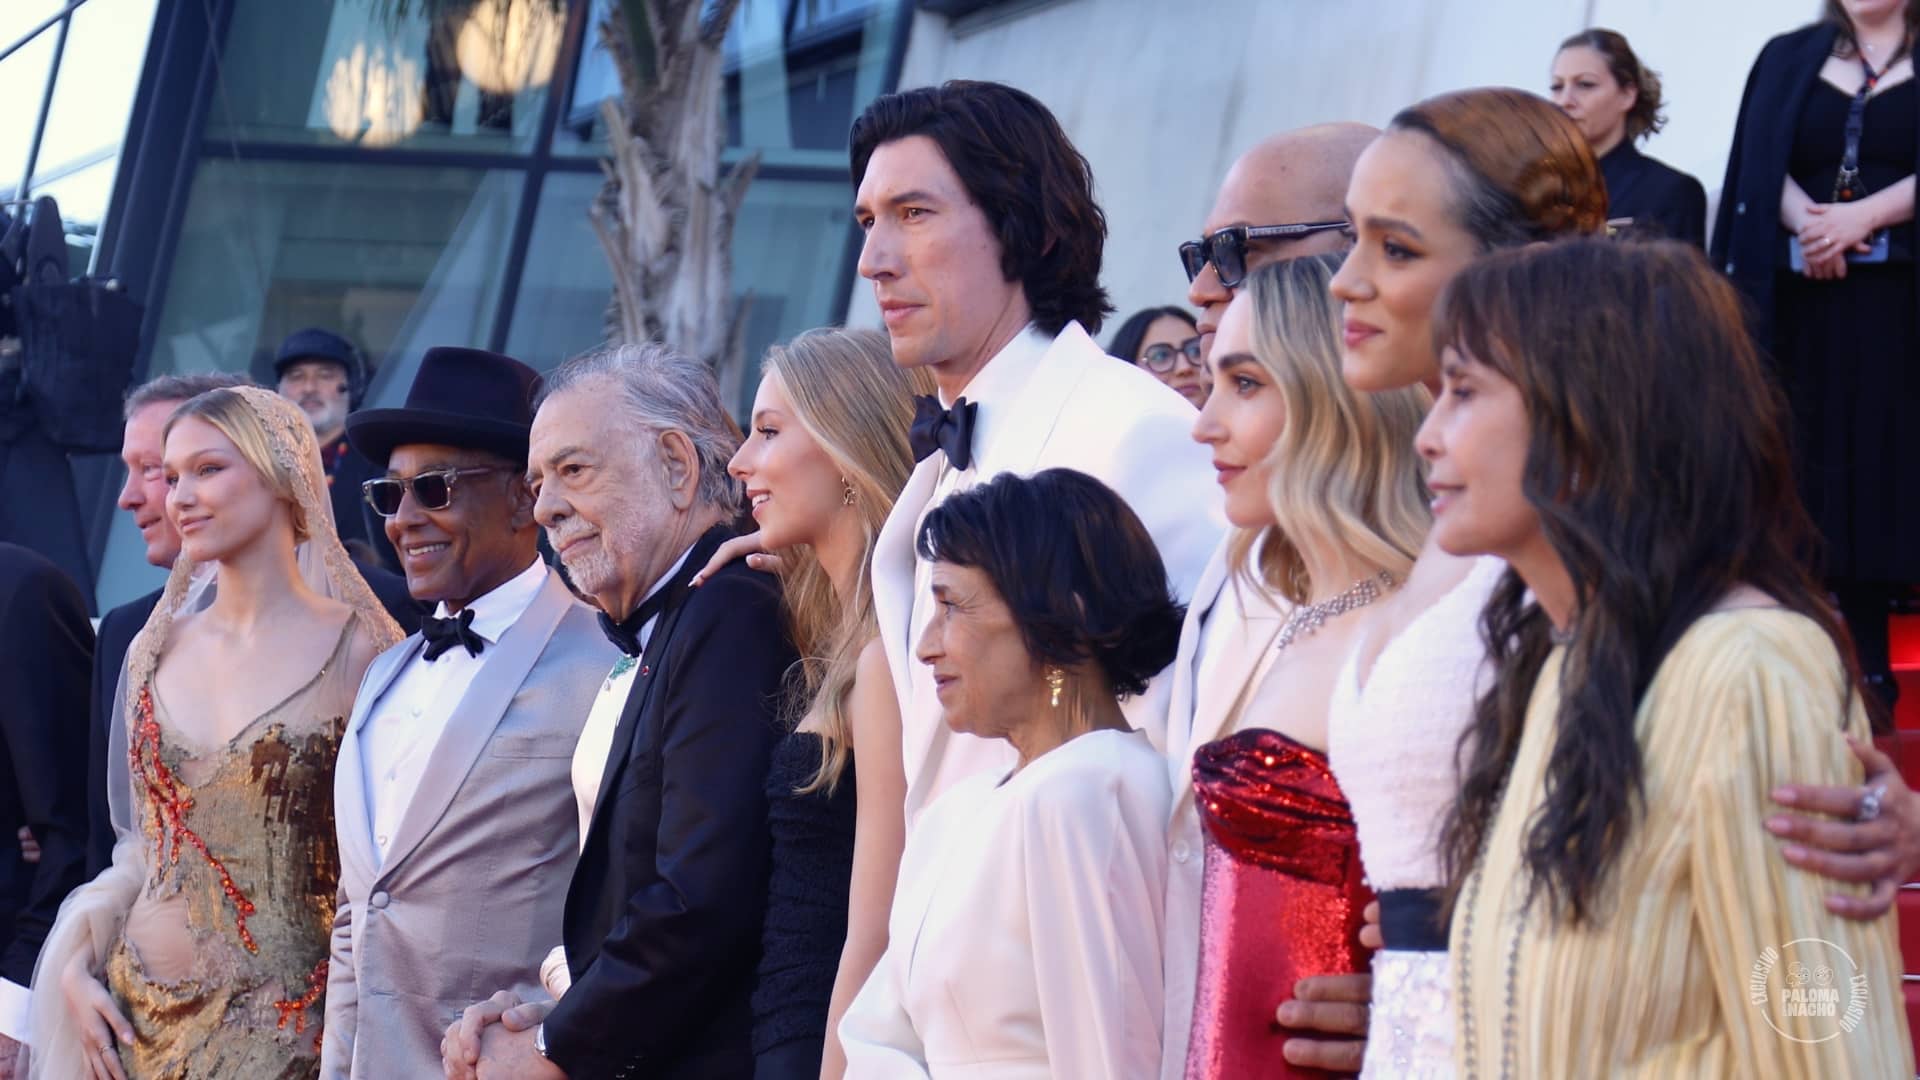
[(1616, 101), (1516, 171)]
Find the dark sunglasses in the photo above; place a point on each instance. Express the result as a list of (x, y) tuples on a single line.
[(1159, 358), (1227, 248), (432, 490)]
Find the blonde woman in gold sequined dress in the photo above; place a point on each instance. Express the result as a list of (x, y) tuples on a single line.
[(201, 952)]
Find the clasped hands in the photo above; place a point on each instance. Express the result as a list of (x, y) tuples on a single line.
[(1830, 232), (493, 1040)]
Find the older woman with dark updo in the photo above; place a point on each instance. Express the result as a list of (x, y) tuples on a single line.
[(1026, 928)]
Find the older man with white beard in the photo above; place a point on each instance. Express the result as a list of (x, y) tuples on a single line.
[(662, 930)]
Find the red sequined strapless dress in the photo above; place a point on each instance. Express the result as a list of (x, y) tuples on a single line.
[(1282, 898)]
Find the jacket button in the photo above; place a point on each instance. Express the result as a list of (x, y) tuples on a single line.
[(1740, 208), (1729, 268), (379, 899), (1181, 852)]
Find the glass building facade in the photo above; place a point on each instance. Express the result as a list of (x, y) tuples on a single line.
[(408, 173)]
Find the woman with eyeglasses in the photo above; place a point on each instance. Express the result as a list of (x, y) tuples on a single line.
[(1165, 341)]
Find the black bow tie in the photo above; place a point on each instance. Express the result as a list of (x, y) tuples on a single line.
[(444, 634), (935, 428), (626, 632)]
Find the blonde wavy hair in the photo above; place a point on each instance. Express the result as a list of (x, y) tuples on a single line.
[(1344, 470), (855, 402), (227, 411)]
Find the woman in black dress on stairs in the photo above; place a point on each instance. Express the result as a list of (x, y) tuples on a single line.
[(1828, 264), (825, 459)]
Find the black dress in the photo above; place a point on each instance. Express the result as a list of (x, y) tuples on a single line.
[(806, 924), (1849, 352), (1654, 198)]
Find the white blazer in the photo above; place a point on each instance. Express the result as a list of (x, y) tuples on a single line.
[(1078, 408), (1025, 937), (1205, 689)]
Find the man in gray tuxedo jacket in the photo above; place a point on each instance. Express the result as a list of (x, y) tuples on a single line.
[(452, 794)]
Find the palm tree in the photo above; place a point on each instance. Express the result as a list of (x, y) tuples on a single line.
[(665, 216)]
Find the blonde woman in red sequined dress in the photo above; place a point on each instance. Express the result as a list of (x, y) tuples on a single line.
[(202, 951)]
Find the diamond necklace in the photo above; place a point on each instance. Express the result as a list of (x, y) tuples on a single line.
[(1307, 619)]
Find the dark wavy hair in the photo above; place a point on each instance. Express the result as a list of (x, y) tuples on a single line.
[(1075, 566), (1126, 340), (1024, 174), (1658, 461), (1646, 117), (1849, 46), (1521, 169)]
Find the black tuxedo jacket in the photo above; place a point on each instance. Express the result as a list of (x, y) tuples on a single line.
[(46, 644), (117, 630), (663, 916)]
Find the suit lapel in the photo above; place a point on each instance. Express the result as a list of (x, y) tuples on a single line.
[(893, 571), (643, 682), (1248, 654), (359, 862), (470, 728), (1029, 419), (1180, 713)]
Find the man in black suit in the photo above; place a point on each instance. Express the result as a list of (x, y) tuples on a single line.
[(46, 643), (663, 915), (144, 495)]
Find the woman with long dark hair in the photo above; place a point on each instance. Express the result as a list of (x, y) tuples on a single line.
[(1617, 102), (1604, 426), (1816, 227), (1516, 171)]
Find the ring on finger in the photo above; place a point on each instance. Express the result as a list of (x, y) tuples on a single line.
[(1870, 801)]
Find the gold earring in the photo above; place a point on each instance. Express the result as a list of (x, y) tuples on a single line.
[(846, 492), (1056, 679)]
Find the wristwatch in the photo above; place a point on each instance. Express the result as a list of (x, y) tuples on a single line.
[(540, 1042)]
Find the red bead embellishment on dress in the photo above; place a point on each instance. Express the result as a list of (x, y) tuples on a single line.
[(296, 1010), (171, 801)]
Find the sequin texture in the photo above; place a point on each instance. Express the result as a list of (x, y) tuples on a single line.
[(1282, 897)]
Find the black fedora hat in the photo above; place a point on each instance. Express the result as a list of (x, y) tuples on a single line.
[(460, 397)]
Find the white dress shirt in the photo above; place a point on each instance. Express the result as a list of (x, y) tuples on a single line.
[(406, 723), (590, 758), (596, 739)]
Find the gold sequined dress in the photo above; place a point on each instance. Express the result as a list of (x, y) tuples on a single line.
[(222, 966)]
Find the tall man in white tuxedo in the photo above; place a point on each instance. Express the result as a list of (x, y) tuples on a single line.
[(988, 273), (451, 795)]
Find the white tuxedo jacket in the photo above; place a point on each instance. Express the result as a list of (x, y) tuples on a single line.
[(1198, 712), (1077, 409), (470, 896)]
